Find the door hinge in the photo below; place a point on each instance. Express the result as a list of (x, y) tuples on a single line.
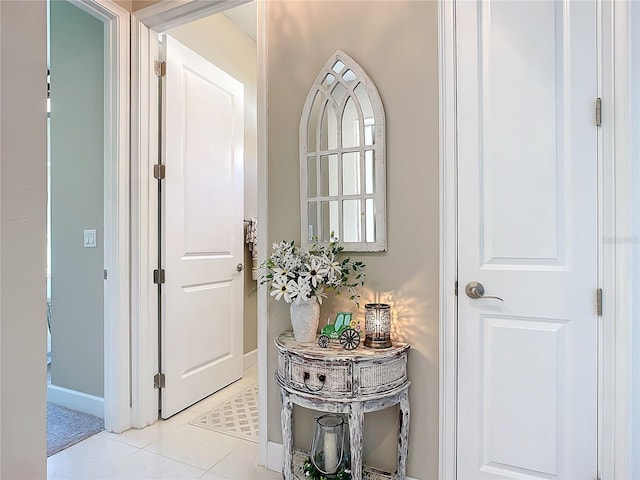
[(159, 172), (160, 68), (599, 301), (105, 275), (456, 289), (598, 112), (158, 276), (158, 380)]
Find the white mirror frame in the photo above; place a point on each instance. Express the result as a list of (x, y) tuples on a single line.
[(378, 146)]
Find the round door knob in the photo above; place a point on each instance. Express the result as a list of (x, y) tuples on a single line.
[(239, 267)]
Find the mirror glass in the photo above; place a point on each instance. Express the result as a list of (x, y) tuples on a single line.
[(312, 126), (370, 220), (351, 220), (342, 150), (312, 175), (351, 173), (329, 129), (367, 113), (338, 92), (350, 125), (328, 80), (369, 172), (313, 221), (349, 76), (364, 100), (330, 220), (329, 175)]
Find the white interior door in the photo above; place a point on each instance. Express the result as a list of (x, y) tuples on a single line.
[(202, 313), (527, 206)]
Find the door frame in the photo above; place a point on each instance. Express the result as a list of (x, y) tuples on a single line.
[(116, 209), (144, 154), (615, 204)]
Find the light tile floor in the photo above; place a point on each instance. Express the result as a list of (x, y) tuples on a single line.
[(169, 449)]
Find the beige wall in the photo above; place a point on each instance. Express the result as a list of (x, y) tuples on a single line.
[(221, 42), (23, 63), (126, 4), (134, 5), (77, 165), (396, 43), (140, 4)]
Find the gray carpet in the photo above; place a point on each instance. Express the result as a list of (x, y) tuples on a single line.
[(67, 427)]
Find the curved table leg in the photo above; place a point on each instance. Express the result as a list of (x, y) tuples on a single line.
[(287, 434), (403, 437), (356, 421)]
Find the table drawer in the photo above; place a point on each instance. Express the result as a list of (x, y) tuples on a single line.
[(320, 376), (379, 377)]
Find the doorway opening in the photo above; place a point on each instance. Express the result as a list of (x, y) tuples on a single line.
[(207, 204), (147, 157), (75, 225), (93, 157), (126, 413)]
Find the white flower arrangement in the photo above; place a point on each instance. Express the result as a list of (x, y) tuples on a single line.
[(299, 272)]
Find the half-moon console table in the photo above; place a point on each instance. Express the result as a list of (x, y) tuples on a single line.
[(343, 381)]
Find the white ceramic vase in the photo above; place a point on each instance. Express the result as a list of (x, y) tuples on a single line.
[(305, 314)]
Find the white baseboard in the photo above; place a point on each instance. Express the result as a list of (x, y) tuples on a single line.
[(275, 455), (82, 402), (250, 359)]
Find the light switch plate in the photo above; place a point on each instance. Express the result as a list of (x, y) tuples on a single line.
[(90, 238)]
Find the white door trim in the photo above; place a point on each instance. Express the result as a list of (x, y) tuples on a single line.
[(448, 242), (620, 33), (144, 155), (144, 223), (615, 224), (169, 14), (116, 214), (263, 214)]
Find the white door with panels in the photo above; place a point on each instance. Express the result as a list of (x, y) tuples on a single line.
[(527, 82), (202, 229)]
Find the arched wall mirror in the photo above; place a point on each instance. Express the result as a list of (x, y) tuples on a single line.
[(342, 159)]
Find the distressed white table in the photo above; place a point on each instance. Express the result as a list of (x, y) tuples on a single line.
[(343, 381)]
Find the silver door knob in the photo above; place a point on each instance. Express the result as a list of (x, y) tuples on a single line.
[(239, 267), (476, 290)]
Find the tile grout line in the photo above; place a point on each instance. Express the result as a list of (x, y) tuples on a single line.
[(216, 400), (230, 452)]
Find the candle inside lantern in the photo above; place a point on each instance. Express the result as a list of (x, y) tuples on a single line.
[(331, 460), (377, 318)]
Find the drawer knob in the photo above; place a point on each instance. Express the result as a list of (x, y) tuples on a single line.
[(321, 376)]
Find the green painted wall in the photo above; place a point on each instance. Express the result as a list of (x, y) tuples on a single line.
[(77, 192)]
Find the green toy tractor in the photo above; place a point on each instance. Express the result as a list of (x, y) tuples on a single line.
[(341, 330)]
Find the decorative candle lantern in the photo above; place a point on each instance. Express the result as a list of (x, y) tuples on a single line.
[(327, 448), (377, 325)]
